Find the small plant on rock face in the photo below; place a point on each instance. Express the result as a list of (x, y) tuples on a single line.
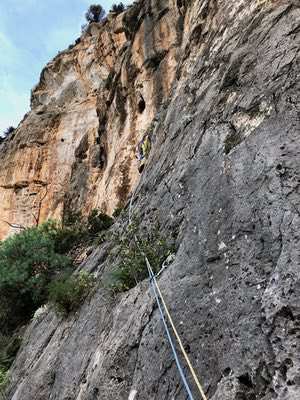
[(67, 292), (133, 247), (3, 382), (9, 346), (98, 221), (118, 210)]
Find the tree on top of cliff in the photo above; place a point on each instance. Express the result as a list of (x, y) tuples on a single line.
[(117, 8), (95, 13), (7, 132)]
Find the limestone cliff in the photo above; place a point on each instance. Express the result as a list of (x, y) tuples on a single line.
[(75, 150), (217, 80)]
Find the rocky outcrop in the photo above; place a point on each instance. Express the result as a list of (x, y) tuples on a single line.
[(223, 174), (75, 150)]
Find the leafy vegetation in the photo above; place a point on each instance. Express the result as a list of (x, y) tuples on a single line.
[(118, 210), (67, 293), (9, 346), (32, 259), (97, 221), (28, 262), (132, 249), (95, 13), (36, 267), (117, 8), (3, 381), (6, 133)]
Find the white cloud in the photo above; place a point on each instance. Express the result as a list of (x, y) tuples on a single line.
[(8, 52), (14, 103)]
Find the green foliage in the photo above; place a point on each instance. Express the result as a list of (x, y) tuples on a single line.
[(118, 211), (9, 346), (77, 228), (64, 236), (28, 262), (132, 268), (231, 141), (67, 292), (117, 8), (95, 13), (72, 219), (3, 381), (8, 131), (97, 221), (36, 267)]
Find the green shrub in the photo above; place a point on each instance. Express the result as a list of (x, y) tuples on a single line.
[(95, 13), (3, 381), (78, 228), (118, 211), (117, 8), (132, 268), (98, 221), (28, 262), (67, 292), (9, 346), (72, 219), (66, 237), (8, 131)]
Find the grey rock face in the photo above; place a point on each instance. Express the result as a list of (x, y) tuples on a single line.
[(224, 171)]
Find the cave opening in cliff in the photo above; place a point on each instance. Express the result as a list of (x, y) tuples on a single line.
[(141, 104)]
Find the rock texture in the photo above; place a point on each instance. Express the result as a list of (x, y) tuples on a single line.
[(224, 172), (75, 150)]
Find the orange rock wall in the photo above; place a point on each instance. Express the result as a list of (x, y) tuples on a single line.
[(75, 149)]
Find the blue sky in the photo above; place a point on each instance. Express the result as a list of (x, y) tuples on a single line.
[(31, 33)]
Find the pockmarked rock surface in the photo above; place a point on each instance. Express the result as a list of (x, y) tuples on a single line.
[(223, 173)]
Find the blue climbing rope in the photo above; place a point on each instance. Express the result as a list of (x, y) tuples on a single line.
[(181, 372)]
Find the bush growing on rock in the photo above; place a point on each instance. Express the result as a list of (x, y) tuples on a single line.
[(98, 221), (95, 13), (84, 228), (67, 293), (28, 262), (9, 346), (3, 381), (132, 268), (6, 133), (36, 267), (118, 210), (117, 8)]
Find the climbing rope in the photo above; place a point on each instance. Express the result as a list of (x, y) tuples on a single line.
[(180, 369), (153, 278), (158, 296)]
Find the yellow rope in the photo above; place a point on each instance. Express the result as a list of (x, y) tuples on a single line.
[(179, 340)]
